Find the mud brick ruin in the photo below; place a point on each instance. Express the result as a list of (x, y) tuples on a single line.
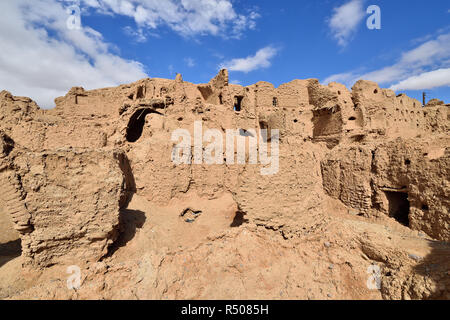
[(363, 180)]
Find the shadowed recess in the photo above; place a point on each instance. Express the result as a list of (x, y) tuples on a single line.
[(136, 124), (10, 251)]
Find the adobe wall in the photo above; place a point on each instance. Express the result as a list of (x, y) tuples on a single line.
[(362, 178), (333, 142), (64, 204)]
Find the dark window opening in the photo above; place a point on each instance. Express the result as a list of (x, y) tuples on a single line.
[(163, 91), (407, 162), (140, 92), (238, 103), (275, 102), (239, 219), (375, 91), (398, 206), (358, 138), (352, 119), (425, 207), (220, 99), (136, 124), (295, 120), (263, 125)]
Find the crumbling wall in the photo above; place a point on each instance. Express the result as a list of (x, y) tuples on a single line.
[(347, 176), (422, 170), (81, 189), (371, 178), (14, 216), (65, 204), (335, 117), (437, 118)]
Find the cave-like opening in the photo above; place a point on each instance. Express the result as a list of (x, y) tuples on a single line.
[(136, 124), (399, 206)]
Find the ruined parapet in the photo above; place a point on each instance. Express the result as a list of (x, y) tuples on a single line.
[(336, 118), (386, 115), (328, 111), (216, 91), (17, 120), (434, 102), (220, 81), (65, 204), (353, 116), (19, 107), (73, 97), (436, 118), (365, 114)]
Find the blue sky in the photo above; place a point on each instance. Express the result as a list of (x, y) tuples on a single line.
[(277, 41)]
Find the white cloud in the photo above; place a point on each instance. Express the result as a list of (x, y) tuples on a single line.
[(187, 17), (345, 21), (138, 35), (190, 62), (424, 81), (42, 59), (260, 60), (427, 62)]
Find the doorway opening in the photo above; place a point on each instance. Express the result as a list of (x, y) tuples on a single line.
[(398, 206), (238, 103)]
